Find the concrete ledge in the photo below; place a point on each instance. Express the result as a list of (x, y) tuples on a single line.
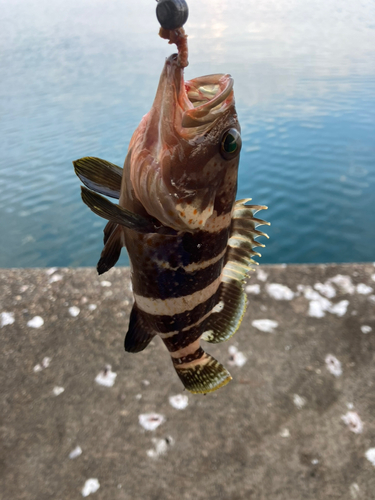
[(275, 432)]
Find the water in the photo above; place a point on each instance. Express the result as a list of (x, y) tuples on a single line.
[(77, 76)]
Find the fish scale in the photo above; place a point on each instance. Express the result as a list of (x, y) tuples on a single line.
[(189, 242)]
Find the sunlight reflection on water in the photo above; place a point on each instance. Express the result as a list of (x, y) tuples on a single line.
[(78, 76)]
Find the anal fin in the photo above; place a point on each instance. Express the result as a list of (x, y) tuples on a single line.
[(203, 375), (138, 336)]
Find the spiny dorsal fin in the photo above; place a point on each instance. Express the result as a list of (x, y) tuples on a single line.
[(99, 175), (227, 315), (242, 241), (111, 251), (138, 337)]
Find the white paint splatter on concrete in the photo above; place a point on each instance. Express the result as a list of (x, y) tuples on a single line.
[(373, 277), (51, 270), (320, 305), (105, 283), (344, 283), (333, 365), (161, 447), (179, 401), (265, 325), (299, 401), (75, 453), (106, 377), (91, 486), (370, 455), (151, 421), (340, 308), (353, 421), (44, 364), (54, 278), (316, 309), (366, 329), (35, 322), (255, 289), (350, 406), (138, 397), (6, 318), (261, 275), (236, 358), (74, 311), (285, 433), (364, 289), (146, 382), (24, 288), (314, 461), (92, 307), (372, 298), (354, 491), (325, 289), (279, 292), (58, 390)]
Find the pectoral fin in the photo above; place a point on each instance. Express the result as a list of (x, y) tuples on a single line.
[(138, 336), (114, 213), (99, 175)]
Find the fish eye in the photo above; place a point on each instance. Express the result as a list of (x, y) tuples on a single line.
[(230, 144)]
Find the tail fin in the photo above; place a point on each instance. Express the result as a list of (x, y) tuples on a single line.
[(203, 375)]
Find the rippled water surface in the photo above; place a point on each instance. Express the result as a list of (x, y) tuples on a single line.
[(77, 76)]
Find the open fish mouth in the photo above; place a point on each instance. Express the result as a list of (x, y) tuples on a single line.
[(193, 106), (210, 96)]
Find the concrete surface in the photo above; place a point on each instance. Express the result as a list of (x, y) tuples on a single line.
[(275, 432)]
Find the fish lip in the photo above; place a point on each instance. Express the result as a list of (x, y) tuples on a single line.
[(190, 117)]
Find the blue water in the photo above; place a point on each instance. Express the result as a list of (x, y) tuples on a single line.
[(77, 76)]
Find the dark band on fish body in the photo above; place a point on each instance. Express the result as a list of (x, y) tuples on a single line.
[(177, 322), (203, 245), (169, 283), (199, 353), (184, 338)]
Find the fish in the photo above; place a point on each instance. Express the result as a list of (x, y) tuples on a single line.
[(190, 243)]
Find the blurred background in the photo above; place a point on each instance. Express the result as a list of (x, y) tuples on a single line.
[(77, 77)]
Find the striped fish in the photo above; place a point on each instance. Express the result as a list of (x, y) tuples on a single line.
[(190, 244)]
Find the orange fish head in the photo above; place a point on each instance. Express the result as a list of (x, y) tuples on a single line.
[(186, 149)]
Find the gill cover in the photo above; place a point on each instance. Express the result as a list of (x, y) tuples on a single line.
[(178, 157)]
